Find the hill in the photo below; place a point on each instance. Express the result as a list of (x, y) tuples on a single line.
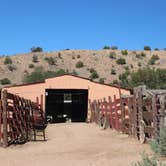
[(100, 65)]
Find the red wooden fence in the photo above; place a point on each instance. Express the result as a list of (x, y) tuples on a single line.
[(19, 119)]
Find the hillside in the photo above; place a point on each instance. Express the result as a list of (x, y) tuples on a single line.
[(103, 61)]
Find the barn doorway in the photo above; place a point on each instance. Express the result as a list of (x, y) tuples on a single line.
[(66, 105)]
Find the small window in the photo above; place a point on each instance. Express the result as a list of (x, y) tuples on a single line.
[(67, 98)]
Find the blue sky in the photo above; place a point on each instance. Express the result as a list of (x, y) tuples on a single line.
[(81, 24)]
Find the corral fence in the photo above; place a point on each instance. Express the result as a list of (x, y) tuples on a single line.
[(20, 119), (141, 114)]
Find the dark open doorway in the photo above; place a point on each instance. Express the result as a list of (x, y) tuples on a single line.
[(66, 105)]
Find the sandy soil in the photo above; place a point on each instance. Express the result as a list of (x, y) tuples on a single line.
[(75, 144)]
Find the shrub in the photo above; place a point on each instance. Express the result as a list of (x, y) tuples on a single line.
[(74, 73), (156, 49), (113, 71), (147, 48), (73, 57), (8, 60), (159, 144), (147, 161), (112, 55), (5, 81), (92, 70), (153, 59), (101, 80), (40, 75), (124, 52), (115, 82), (11, 67), (139, 64), (113, 47), (121, 61), (50, 60), (94, 75), (141, 55), (36, 49), (35, 58), (106, 47), (79, 64), (78, 56), (31, 66), (153, 79)]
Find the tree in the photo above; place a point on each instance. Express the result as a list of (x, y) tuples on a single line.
[(106, 47), (147, 48), (36, 49), (8, 60)]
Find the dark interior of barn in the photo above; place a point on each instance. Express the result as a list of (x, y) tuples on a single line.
[(64, 105)]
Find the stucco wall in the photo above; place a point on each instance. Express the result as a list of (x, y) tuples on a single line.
[(96, 90)]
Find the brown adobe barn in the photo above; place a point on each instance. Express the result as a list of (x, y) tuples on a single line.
[(66, 96)]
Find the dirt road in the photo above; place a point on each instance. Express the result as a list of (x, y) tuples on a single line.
[(75, 144)]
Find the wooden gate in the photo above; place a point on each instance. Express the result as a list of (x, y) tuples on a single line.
[(19, 119)]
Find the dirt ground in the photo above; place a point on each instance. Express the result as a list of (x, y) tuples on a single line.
[(75, 144)]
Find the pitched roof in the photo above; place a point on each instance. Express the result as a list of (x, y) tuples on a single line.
[(40, 82)]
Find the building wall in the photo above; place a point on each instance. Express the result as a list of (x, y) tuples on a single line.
[(96, 90)]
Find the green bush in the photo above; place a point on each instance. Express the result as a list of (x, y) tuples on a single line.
[(92, 70), (112, 55), (31, 66), (74, 73), (106, 47), (35, 58), (159, 144), (156, 49), (40, 75), (147, 161), (5, 81), (141, 55), (36, 49), (94, 75), (50, 60), (8, 60), (101, 80), (139, 64), (115, 82), (152, 78), (121, 61), (124, 52), (153, 59), (113, 71), (147, 48), (79, 64)]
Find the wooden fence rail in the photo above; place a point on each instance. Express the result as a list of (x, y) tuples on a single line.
[(141, 115), (19, 119)]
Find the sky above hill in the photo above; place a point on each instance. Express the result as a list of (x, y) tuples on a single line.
[(81, 24)]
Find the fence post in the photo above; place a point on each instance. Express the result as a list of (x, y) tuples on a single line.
[(4, 116)]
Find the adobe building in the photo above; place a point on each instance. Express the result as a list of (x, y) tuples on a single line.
[(67, 95)]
